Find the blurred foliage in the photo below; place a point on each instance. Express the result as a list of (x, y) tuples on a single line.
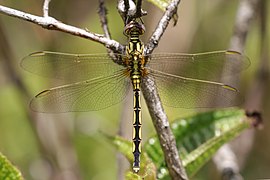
[(198, 137), (7, 170), (202, 26)]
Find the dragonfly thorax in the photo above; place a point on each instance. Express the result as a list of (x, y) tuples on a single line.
[(135, 47), (134, 52)]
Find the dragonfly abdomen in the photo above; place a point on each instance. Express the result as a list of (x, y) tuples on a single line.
[(136, 149)]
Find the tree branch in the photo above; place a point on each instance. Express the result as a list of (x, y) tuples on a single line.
[(159, 117), (164, 133), (53, 24), (102, 11)]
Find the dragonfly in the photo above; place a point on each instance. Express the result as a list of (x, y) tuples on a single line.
[(96, 82)]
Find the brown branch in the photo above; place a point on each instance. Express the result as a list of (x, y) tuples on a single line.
[(158, 115), (102, 11), (162, 126)]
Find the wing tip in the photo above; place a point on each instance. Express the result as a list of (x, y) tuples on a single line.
[(39, 53), (246, 59), (233, 52), (42, 93), (230, 88), (34, 54)]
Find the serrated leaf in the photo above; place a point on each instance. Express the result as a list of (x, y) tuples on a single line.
[(197, 158), (198, 137), (7, 170)]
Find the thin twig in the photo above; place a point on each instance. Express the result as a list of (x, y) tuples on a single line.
[(162, 25), (103, 19), (46, 8), (156, 110), (127, 6), (139, 9), (53, 24)]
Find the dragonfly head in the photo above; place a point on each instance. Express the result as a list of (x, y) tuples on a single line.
[(134, 28)]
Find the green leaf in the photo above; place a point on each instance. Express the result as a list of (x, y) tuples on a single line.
[(147, 171), (7, 170), (162, 4), (132, 176), (198, 138)]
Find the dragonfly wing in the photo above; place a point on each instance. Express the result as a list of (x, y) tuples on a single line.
[(208, 66), (70, 67), (89, 95), (177, 91)]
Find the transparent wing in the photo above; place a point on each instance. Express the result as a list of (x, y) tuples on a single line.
[(91, 95), (70, 67), (208, 66), (176, 91)]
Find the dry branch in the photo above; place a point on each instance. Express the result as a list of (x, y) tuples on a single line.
[(159, 117), (53, 24)]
